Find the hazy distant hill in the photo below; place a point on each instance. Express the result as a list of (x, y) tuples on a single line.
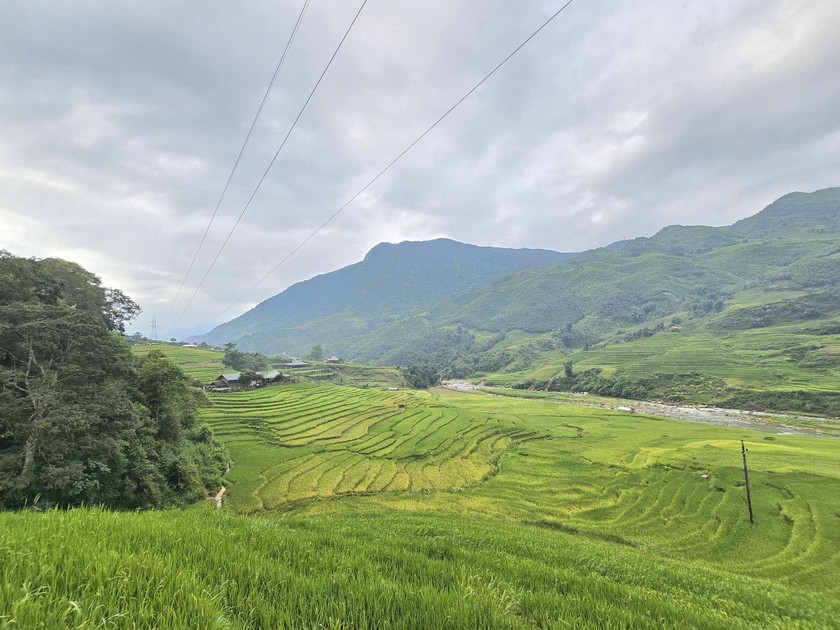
[(791, 244), (474, 310), (391, 282)]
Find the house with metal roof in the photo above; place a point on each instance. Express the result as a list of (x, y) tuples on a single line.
[(226, 380)]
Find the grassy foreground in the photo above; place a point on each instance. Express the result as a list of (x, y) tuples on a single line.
[(200, 569), (437, 509)]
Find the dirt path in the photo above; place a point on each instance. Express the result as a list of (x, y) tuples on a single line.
[(779, 423)]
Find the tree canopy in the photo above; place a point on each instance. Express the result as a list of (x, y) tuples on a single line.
[(82, 421), (238, 360)]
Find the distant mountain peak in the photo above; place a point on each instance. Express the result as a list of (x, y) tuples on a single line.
[(392, 279), (376, 309), (797, 212)]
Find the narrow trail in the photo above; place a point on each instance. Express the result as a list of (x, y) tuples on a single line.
[(715, 416)]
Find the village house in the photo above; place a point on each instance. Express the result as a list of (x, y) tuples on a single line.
[(234, 379), (231, 379), (333, 360), (297, 364)]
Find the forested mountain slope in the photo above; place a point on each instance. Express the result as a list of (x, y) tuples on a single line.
[(792, 244), (392, 281), (522, 322)]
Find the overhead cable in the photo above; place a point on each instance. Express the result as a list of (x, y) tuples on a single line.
[(265, 174), (239, 156), (395, 160)]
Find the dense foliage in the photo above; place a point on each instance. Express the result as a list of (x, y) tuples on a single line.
[(80, 421), (421, 376), (690, 387), (238, 360)]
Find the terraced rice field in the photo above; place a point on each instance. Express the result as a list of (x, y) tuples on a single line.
[(648, 483), (441, 509), (305, 441), (197, 363), (639, 482), (776, 358)]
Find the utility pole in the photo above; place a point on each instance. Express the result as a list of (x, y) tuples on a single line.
[(154, 328), (747, 480)]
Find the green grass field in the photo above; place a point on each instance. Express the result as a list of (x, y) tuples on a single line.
[(763, 358), (206, 365), (304, 441), (197, 363), (366, 508), (768, 358), (776, 359)]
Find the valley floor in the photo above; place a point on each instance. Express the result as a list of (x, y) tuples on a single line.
[(779, 423), (366, 508)]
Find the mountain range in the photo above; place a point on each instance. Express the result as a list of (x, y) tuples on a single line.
[(473, 310), (339, 309)]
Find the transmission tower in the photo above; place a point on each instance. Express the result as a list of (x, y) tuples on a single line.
[(154, 328)]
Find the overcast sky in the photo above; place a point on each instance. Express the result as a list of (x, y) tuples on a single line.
[(120, 122)]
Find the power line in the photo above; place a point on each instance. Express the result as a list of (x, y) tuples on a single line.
[(239, 157), (396, 159), (270, 164)]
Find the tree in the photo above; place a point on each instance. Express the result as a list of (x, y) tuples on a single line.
[(569, 371), (246, 377), (421, 376), (118, 309), (191, 458), (79, 421), (316, 353), (238, 360), (233, 358), (61, 420)]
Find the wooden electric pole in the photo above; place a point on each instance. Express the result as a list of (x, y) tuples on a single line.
[(747, 480)]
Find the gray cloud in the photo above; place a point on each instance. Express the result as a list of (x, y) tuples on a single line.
[(119, 125)]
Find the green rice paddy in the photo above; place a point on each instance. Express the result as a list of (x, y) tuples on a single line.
[(305, 441), (365, 508), (197, 363)]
